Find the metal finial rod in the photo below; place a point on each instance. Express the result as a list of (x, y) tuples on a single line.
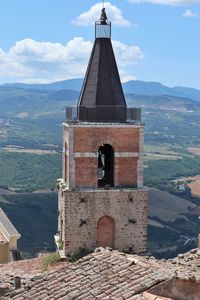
[(103, 3)]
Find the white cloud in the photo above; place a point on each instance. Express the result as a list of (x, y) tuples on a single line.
[(42, 62), (32, 61), (190, 14), (127, 78), (167, 2), (127, 55), (93, 14)]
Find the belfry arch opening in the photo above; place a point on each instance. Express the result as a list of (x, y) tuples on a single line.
[(105, 166)]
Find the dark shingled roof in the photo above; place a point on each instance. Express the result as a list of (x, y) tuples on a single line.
[(102, 84), (102, 98)]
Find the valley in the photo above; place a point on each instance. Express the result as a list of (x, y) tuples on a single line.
[(30, 162)]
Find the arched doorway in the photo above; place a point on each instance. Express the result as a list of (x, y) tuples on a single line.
[(106, 232), (105, 166)]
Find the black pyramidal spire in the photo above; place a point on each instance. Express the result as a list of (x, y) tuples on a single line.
[(102, 98)]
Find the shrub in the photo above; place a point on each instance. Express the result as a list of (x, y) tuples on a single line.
[(49, 260)]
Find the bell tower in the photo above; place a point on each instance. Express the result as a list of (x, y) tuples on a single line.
[(102, 201)]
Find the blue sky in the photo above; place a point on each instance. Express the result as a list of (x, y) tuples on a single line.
[(48, 40)]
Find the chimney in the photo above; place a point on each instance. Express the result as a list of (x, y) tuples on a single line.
[(17, 282)]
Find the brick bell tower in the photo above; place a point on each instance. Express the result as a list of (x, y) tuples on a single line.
[(102, 201)]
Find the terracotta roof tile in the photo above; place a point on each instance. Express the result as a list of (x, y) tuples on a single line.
[(187, 266), (104, 275), (100, 275), (28, 270)]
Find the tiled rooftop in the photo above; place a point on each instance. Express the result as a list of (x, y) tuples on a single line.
[(187, 266), (102, 275), (28, 270)]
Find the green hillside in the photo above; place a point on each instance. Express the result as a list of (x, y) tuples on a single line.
[(160, 173), (35, 217), (173, 224), (28, 172), (33, 118), (167, 207)]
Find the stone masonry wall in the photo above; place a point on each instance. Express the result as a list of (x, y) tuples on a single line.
[(81, 210)]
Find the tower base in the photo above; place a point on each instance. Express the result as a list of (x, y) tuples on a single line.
[(115, 218)]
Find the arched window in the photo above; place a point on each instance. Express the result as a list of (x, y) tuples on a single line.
[(105, 166)]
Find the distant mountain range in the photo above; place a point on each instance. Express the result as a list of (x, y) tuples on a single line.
[(40, 109), (136, 87), (157, 89), (71, 84)]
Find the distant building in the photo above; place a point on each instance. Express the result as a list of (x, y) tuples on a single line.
[(8, 240), (102, 201), (181, 187)]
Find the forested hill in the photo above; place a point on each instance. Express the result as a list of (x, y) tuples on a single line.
[(136, 87), (41, 113)]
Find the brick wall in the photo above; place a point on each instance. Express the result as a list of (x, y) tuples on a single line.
[(126, 171), (88, 139), (83, 143), (86, 172)]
